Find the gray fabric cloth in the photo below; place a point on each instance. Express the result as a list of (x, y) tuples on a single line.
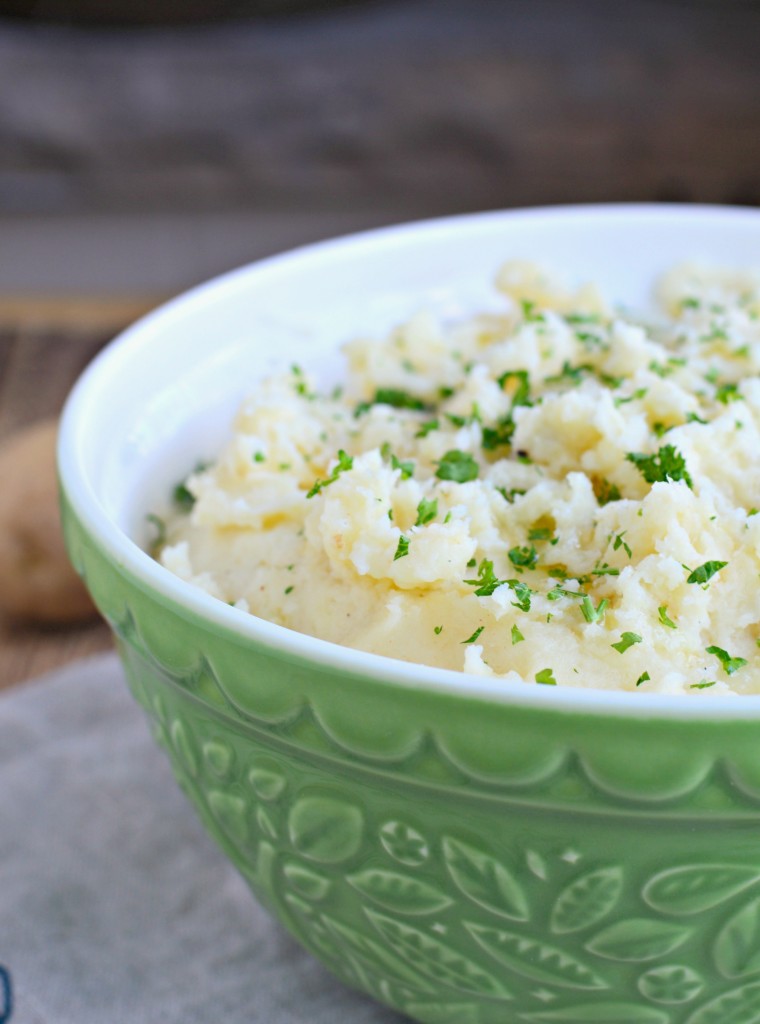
[(114, 904)]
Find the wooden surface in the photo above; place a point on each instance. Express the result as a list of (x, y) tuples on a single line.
[(423, 105), (44, 345)]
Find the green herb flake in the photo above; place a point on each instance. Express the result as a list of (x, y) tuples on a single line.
[(523, 557), (402, 549), (399, 399), (517, 636), (289, 590), (665, 619), (457, 466), (160, 539), (705, 572), (626, 640), (619, 542), (487, 581), (726, 393), (523, 594), (643, 678), (475, 635), (541, 533), (437, 630), (605, 570), (730, 665), (606, 492), (637, 395), (345, 462), (427, 427), (665, 465), (406, 467), (546, 677), (259, 457), (692, 417), (426, 511), (702, 686), (521, 393), (591, 614)]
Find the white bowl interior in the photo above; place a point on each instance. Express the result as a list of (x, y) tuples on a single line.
[(163, 395)]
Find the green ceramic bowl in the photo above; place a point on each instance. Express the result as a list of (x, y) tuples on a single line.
[(466, 851)]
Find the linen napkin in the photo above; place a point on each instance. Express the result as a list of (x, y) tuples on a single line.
[(115, 906)]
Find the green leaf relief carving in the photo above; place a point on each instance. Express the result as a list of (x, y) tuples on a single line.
[(229, 811), (377, 957), (183, 746), (308, 883), (436, 959), (485, 880), (325, 829), (602, 1013), (219, 758), (689, 890), (587, 900), (737, 948), (672, 983), (398, 892), (265, 823), (404, 843), (534, 959), (638, 939), (739, 1006)]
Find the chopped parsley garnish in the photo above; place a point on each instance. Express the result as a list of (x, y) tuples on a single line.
[(475, 635), (160, 539), (458, 466), (665, 465), (437, 630), (344, 462), (702, 686), (521, 394), (727, 393), (637, 394), (692, 417), (546, 676), (523, 594), (406, 467), (259, 457), (626, 640), (643, 678), (606, 492), (184, 498), (499, 435), (705, 572), (403, 547), (542, 533), (426, 511), (487, 581), (605, 570), (591, 614), (523, 557), (665, 619), (730, 665), (399, 399), (427, 427), (619, 542), (289, 589), (517, 636)]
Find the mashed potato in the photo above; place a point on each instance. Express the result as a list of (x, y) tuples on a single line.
[(558, 494)]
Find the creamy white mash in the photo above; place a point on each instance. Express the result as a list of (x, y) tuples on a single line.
[(556, 494)]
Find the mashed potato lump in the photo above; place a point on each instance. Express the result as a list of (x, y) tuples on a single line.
[(557, 493)]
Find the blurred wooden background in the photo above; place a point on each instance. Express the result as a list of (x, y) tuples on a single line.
[(135, 162)]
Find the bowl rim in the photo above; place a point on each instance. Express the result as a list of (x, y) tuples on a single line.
[(326, 655)]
